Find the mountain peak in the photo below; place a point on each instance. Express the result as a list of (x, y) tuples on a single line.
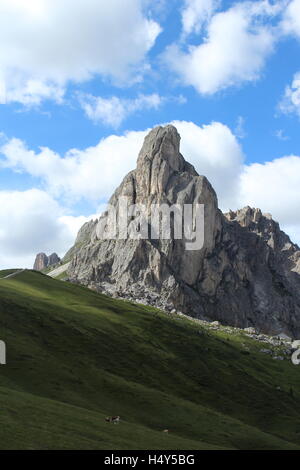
[(246, 272), (160, 163), (162, 143), (156, 135)]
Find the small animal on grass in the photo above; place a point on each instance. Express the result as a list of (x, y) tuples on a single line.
[(113, 419), (166, 430)]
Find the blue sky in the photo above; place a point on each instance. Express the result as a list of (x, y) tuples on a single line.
[(81, 83)]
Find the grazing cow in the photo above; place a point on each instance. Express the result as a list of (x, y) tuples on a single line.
[(113, 419)]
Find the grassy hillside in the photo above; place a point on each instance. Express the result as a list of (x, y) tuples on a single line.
[(75, 356)]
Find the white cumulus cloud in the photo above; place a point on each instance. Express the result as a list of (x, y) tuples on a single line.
[(274, 187), (291, 19), (91, 173), (237, 44), (32, 222), (53, 42)]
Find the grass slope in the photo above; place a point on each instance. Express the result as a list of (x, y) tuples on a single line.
[(75, 356), (7, 272)]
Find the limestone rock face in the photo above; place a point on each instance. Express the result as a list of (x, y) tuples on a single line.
[(246, 273), (43, 261)]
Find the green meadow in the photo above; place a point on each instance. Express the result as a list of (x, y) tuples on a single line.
[(75, 357)]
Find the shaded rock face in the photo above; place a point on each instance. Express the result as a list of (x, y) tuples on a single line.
[(245, 274), (83, 237), (53, 259), (43, 261), (261, 276)]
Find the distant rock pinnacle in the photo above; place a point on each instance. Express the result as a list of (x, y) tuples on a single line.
[(42, 261)]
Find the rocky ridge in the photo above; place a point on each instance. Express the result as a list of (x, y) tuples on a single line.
[(279, 347)]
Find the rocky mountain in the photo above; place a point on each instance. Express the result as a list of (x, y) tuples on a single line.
[(246, 274), (42, 261)]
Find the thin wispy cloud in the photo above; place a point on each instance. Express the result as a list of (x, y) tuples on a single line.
[(113, 111), (290, 102), (240, 130), (280, 134)]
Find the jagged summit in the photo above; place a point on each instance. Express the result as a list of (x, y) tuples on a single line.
[(159, 164), (162, 141), (246, 273), (263, 225)]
